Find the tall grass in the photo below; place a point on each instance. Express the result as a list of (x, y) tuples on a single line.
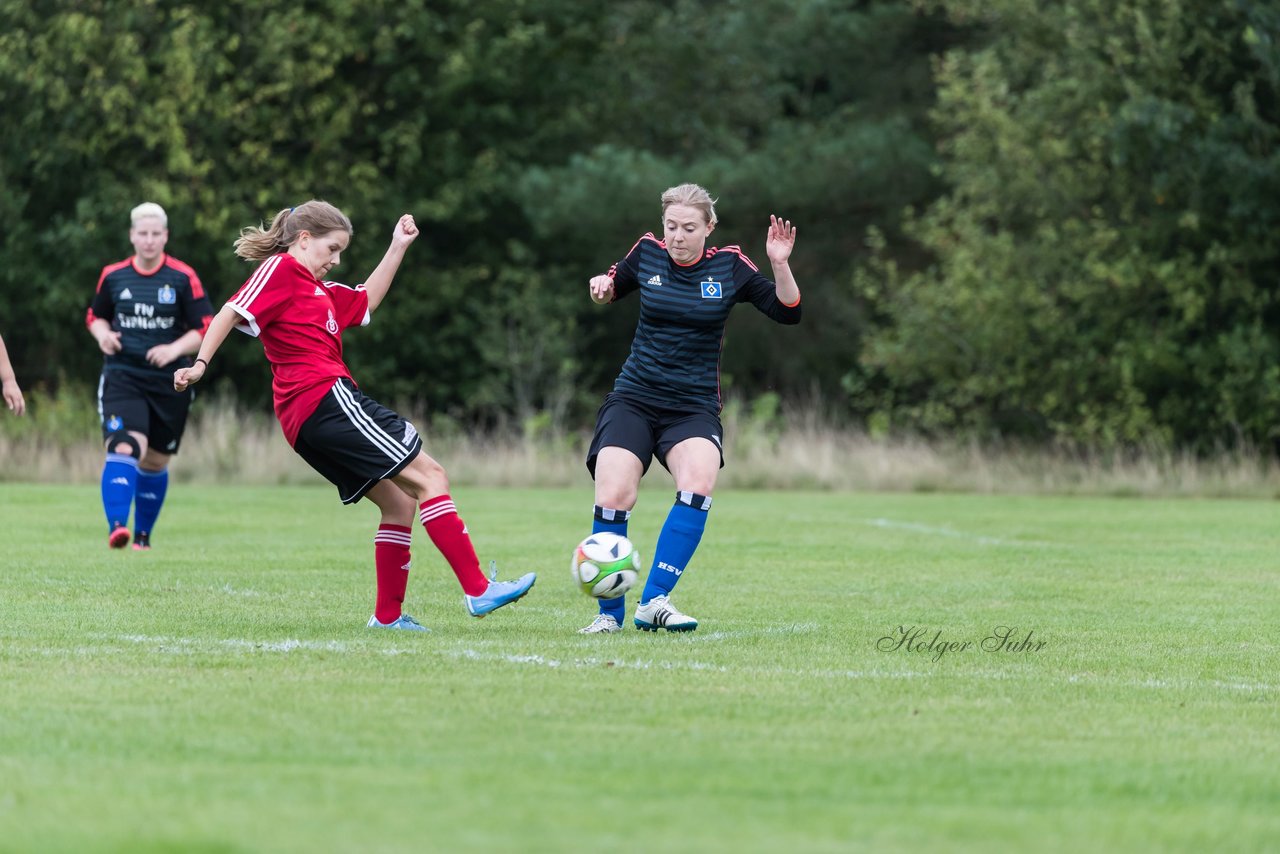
[(769, 446)]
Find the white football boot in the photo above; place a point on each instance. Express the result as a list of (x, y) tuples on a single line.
[(603, 624), (659, 613)]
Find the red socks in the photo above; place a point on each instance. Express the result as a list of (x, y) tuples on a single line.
[(391, 558), (445, 528)]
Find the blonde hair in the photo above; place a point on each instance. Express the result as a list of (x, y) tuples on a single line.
[(693, 196), (257, 243), (145, 210)]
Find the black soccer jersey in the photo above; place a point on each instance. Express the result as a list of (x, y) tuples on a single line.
[(149, 309), (675, 355)]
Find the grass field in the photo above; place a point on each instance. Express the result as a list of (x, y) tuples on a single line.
[(221, 693)]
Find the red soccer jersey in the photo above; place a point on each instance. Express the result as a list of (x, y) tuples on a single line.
[(300, 321)]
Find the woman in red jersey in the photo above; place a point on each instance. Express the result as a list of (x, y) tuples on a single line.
[(360, 446)]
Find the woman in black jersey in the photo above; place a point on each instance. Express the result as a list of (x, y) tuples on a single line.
[(149, 314), (666, 400)]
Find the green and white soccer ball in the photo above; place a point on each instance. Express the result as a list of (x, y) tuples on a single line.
[(605, 565)]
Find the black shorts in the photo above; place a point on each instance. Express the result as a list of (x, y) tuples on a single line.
[(648, 430), (144, 404), (354, 441)]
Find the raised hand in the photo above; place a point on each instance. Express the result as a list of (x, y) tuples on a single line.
[(780, 240), (406, 231)]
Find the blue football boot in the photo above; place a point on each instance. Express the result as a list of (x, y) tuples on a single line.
[(499, 593), (404, 622)]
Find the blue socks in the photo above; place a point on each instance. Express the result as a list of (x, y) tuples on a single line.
[(612, 521), (148, 499), (680, 536), (119, 476), (676, 544)]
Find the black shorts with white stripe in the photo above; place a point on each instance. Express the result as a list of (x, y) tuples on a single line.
[(354, 441)]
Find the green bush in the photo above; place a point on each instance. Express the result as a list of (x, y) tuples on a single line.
[(1105, 260)]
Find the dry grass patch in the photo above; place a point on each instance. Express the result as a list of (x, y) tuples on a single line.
[(768, 448)]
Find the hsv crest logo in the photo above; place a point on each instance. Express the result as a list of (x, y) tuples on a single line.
[(711, 289), (167, 296), (332, 325)]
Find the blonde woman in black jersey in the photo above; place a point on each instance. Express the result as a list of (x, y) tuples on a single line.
[(666, 400)]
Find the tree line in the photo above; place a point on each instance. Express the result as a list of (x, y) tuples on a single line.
[(1037, 221)]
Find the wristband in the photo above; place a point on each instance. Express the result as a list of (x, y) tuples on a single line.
[(206, 364)]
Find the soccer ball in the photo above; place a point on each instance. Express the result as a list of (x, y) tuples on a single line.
[(605, 565)]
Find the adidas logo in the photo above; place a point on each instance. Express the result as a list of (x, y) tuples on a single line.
[(319, 292), (123, 480), (124, 294), (656, 281)]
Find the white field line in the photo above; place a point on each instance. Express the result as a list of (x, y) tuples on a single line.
[(194, 646), (788, 629), (948, 532)]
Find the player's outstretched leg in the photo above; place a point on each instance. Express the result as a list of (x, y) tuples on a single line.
[(425, 479), (481, 595)]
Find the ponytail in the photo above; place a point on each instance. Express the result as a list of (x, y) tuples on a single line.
[(258, 243)]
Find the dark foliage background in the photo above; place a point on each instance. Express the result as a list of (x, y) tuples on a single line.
[(1017, 219)]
